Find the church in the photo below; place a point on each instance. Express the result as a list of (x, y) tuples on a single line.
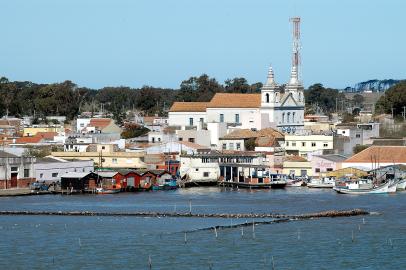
[(279, 107)]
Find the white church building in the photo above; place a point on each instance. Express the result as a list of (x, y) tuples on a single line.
[(278, 107)]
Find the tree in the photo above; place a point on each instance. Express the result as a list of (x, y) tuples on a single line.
[(348, 117), (323, 98), (394, 98), (133, 130), (250, 144)]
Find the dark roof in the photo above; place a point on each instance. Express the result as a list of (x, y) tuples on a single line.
[(333, 157)]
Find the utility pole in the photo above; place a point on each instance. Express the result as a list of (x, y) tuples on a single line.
[(392, 112), (404, 113)]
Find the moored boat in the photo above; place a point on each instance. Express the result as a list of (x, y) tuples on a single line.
[(363, 186), (401, 185), (101, 190), (321, 183)]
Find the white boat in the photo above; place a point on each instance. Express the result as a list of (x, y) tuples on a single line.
[(321, 183), (363, 186), (401, 185), (295, 183)]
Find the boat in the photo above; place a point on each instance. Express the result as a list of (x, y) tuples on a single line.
[(169, 184), (393, 185), (321, 183), (363, 186), (295, 182), (101, 190), (401, 185)]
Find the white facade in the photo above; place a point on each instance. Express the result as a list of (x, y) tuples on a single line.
[(195, 169), (304, 145), (186, 119), (245, 118), (201, 137), (82, 123), (50, 170)]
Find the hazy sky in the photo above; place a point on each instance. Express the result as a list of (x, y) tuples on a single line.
[(98, 43)]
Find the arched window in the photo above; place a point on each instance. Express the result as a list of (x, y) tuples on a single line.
[(293, 117), (283, 117), (267, 98), (287, 118)]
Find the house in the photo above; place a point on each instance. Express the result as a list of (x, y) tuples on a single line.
[(322, 164), (34, 129), (11, 124), (295, 166), (308, 145), (175, 147), (79, 181), (390, 172), (131, 179), (96, 125), (265, 138), (39, 138), (106, 156), (50, 169), (377, 156), (15, 171)]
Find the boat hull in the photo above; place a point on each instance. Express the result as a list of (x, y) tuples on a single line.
[(275, 185), (320, 185), (378, 190), (401, 185)]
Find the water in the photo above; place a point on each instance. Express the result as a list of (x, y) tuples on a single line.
[(65, 242)]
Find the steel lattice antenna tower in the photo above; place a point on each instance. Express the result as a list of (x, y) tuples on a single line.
[(296, 44)]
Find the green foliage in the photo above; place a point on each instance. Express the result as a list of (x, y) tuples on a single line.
[(394, 97), (322, 98), (250, 144), (133, 130), (359, 148), (348, 117), (358, 99)]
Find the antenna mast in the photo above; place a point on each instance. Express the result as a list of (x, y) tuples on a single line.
[(296, 44)]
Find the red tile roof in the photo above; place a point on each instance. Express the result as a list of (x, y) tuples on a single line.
[(232, 100), (100, 123), (380, 154), (189, 107)]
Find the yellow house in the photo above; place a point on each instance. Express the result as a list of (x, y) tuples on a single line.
[(297, 166), (106, 156), (301, 145), (32, 131)]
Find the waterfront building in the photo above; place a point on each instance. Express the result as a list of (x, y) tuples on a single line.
[(295, 166), (265, 139), (16, 171), (377, 156), (50, 169), (321, 164)]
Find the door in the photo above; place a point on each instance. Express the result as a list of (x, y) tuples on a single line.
[(13, 182)]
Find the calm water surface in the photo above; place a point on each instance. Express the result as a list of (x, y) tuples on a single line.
[(62, 242)]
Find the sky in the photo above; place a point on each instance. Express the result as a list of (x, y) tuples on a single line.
[(97, 43)]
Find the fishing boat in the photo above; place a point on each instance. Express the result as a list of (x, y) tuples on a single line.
[(321, 183), (393, 185), (363, 186), (169, 184)]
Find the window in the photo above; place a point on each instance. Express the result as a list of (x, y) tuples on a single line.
[(197, 169), (41, 175), (201, 120), (313, 144), (358, 136), (206, 174), (231, 146), (329, 169), (238, 146), (317, 170), (114, 160), (303, 144), (82, 124), (221, 118), (190, 121), (325, 144), (283, 117), (267, 98), (293, 144), (103, 147), (288, 117), (26, 172), (159, 139), (180, 139), (14, 169), (237, 118), (191, 140), (343, 131), (55, 174), (287, 143), (303, 172), (224, 146), (293, 117)]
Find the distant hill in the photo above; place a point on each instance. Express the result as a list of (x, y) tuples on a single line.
[(372, 86)]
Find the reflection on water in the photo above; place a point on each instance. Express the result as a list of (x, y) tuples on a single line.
[(63, 242)]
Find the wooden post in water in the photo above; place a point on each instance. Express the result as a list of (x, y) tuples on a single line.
[(215, 232), (242, 232), (150, 262), (185, 238), (253, 229), (363, 220), (190, 206), (273, 264), (352, 236)]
